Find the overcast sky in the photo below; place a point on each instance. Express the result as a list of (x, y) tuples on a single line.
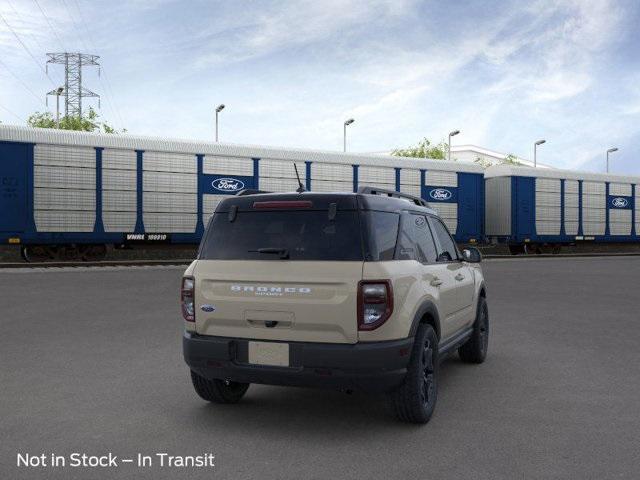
[(290, 72)]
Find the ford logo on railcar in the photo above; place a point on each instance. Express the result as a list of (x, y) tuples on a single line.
[(228, 184), (440, 194), (620, 202)]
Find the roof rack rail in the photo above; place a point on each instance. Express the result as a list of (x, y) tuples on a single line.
[(392, 193), (250, 191)]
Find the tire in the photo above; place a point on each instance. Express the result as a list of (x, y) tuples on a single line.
[(475, 349), (218, 391), (415, 400)]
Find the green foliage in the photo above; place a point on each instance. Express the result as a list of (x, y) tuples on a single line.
[(424, 149), (89, 122), (510, 159)]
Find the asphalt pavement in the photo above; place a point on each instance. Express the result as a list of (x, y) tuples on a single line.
[(91, 361)]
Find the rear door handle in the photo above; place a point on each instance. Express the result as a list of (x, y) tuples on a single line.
[(436, 282), (459, 277)]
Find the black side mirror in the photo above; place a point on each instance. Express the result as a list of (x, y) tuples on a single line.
[(472, 255)]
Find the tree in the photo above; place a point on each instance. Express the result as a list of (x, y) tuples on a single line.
[(509, 159), (89, 122), (424, 149)]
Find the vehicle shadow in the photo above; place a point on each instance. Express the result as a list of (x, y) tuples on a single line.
[(285, 410)]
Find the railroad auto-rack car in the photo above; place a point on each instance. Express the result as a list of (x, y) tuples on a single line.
[(534, 209), (68, 194)]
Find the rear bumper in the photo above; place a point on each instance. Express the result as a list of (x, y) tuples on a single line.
[(373, 367)]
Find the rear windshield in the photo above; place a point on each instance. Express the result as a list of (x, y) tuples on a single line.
[(279, 235)]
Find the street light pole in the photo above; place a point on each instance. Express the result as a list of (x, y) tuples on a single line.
[(451, 134), (344, 136), (58, 92), (219, 108), (535, 152), (611, 150)]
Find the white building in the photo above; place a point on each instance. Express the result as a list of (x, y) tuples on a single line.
[(471, 153)]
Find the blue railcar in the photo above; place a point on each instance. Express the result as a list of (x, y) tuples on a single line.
[(71, 194), (529, 208)]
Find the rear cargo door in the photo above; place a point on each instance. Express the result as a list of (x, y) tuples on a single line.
[(288, 300), (13, 186), (280, 274)]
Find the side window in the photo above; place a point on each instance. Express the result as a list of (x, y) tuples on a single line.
[(447, 250), (382, 233), (415, 240)]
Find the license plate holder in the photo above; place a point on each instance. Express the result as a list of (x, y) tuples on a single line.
[(274, 354)]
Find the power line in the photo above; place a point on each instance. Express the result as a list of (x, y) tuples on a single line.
[(24, 84), (110, 97), (53, 30), (30, 35), (12, 113), (26, 49)]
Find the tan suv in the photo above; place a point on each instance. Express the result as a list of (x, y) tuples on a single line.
[(354, 291)]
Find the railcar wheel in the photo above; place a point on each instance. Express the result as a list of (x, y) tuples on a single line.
[(37, 253), (93, 253)]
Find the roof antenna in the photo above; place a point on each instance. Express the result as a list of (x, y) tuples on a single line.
[(300, 189)]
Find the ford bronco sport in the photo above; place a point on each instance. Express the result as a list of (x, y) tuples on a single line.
[(353, 291)]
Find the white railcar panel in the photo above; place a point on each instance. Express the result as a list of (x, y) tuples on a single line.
[(441, 178), (593, 228), (64, 221), (279, 184), (64, 177), (594, 215), (119, 221), (227, 166), (597, 188), (547, 185), (598, 202), (269, 168), (637, 209), (332, 171), (169, 162), (119, 159), (170, 222), (620, 221), (169, 182), (119, 180), (118, 201), (620, 189), (547, 199), (571, 186), (331, 186), (409, 176), (64, 199), (209, 205), (571, 228), (571, 200), (64, 156), (498, 206), (547, 227), (449, 214), (414, 190), (161, 202), (377, 176)]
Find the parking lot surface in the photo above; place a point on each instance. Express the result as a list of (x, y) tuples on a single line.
[(91, 362)]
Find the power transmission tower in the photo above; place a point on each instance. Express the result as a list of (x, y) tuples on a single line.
[(73, 91)]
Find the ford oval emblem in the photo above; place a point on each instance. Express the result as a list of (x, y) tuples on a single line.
[(620, 202), (207, 308), (228, 184), (440, 194)]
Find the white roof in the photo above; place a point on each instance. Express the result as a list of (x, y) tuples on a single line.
[(515, 171), (15, 133)]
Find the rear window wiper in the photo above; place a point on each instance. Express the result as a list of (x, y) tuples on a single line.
[(283, 252)]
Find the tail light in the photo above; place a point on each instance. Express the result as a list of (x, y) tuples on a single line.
[(186, 299), (375, 303)]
